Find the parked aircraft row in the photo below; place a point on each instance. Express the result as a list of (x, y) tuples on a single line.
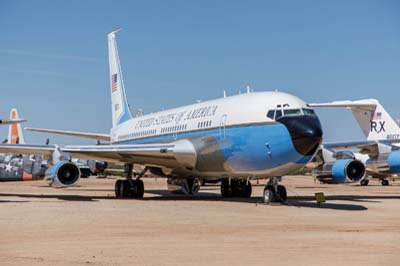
[(377, 157), (232, 139), (25, 167)]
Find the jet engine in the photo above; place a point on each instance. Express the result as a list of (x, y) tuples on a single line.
[(63, 174), (187, 186), (341, 171), (394, 161)]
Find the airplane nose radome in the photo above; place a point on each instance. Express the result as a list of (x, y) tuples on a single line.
[(305, 131)]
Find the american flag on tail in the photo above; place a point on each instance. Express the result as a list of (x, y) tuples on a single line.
[(376, 116), (114, 82)]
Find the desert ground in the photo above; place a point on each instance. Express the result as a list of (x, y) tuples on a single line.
[(86, 225)]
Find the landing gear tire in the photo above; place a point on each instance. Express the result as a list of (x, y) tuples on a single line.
[(139, 189), (226, 189), (281, 195), (247, 190), (273, 192), (125, 189), (385, 182), (269, 194), (364, 182), (118, 188)]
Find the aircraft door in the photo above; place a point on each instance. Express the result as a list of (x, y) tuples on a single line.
[(222, 126)]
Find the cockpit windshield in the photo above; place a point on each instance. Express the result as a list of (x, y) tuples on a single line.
[(292, 112), (308, 112), (283, 112)]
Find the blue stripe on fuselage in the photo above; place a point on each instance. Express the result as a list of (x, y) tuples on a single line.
[(246, 148)]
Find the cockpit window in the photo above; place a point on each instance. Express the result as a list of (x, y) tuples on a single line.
[(308, 112), (292, 112), (278, 114), (271, 114)]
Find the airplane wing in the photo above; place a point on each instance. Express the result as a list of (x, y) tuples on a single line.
[(365, 147), (95, 136), (11, 121), (361, 145), (180, 153)]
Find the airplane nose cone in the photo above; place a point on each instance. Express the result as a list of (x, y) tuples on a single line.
[(305, 131)]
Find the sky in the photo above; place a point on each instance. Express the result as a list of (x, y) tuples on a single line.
[(54, 62)]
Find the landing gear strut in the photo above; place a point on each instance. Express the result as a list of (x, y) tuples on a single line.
[(235, 188), (129, 188), (273, 192)]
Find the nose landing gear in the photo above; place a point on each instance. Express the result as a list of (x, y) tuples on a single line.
[(273, 192)]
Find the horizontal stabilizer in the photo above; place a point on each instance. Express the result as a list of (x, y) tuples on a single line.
[(95, 136), (11, 121), (367, 105)]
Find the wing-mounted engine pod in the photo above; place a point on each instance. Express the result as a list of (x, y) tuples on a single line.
[(394, 161), (348, 171), (185, 153), (64, 174)]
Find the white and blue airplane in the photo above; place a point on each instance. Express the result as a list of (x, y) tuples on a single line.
[(376, 157), (233, 139)]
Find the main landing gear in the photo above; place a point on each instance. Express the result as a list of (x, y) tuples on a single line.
[(129, 188), (235, 188), (273, 192), (364, 182), (385, 182)]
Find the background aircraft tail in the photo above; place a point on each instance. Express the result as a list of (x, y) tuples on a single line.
[(15, 134), (120, 108), (373, 119)]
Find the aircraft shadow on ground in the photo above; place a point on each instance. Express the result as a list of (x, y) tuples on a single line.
[(14, 201), (165, 195)]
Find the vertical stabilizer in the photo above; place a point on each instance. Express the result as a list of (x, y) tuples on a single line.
[(377, 124), (120, 108), (374, 121), (15, 134)]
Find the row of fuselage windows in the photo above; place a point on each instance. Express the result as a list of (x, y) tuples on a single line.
[(139, 134), (177, 128), (151, 132), (204, 124)]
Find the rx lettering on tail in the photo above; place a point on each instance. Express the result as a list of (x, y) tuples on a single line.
[(378, 126)]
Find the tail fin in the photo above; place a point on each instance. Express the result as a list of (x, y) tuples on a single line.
[(373, 119), (120, 108), (15, 134)]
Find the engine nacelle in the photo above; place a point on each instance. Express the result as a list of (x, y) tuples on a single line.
[(394, 161), (341, 171), (64, 174), (348, 171)]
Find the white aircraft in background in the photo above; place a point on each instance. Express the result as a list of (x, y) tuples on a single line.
[(377, 157), (233, 139)]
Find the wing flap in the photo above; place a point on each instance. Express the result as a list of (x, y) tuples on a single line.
[(179, 153)]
